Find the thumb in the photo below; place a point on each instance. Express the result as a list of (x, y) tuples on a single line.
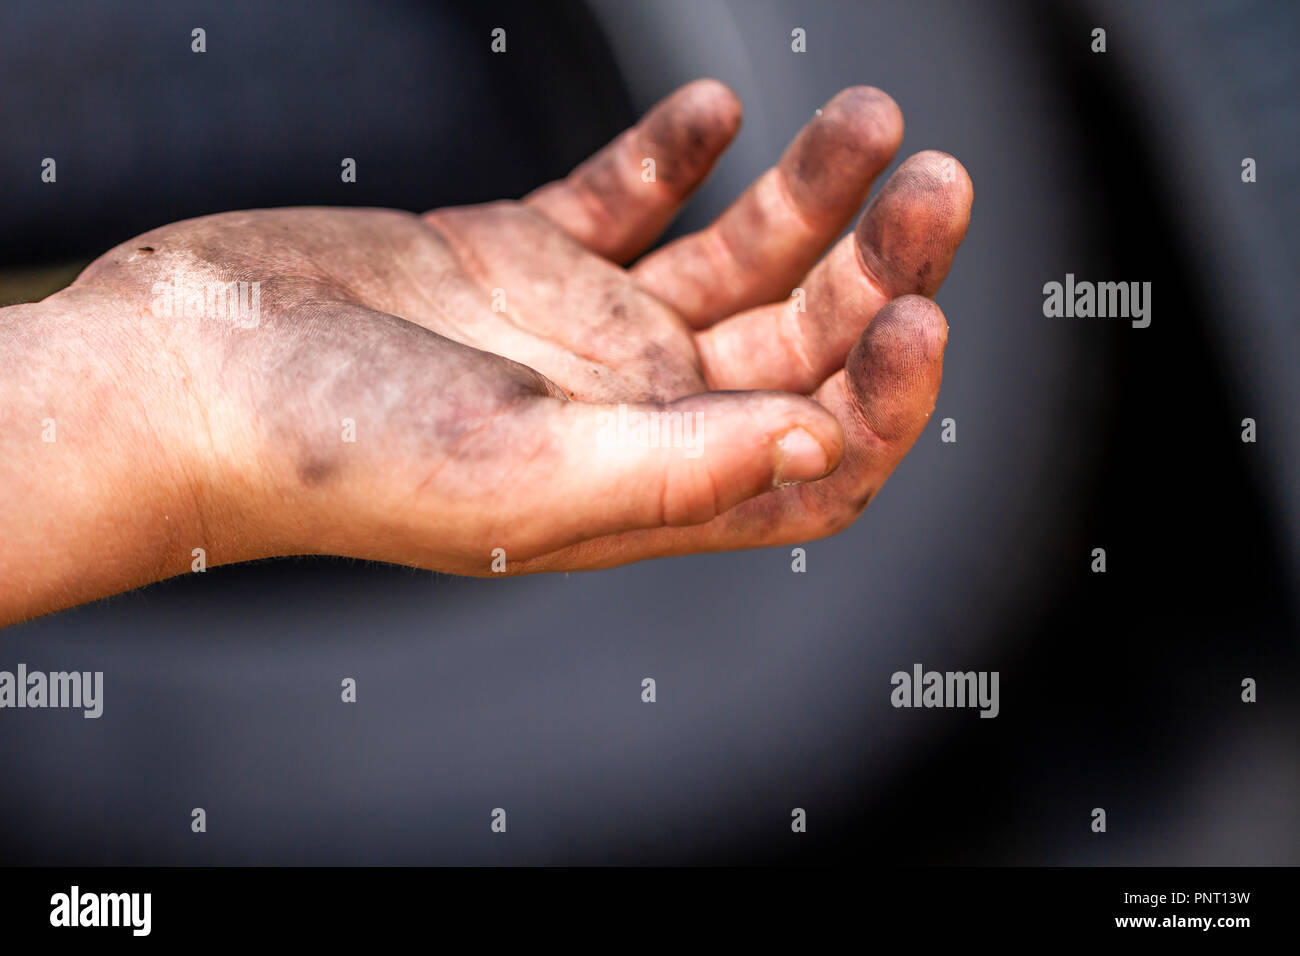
[(644, 465)]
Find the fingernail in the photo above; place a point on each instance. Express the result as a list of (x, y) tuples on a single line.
[(802, 458)]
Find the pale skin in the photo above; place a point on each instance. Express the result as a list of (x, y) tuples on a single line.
[(128, 439)]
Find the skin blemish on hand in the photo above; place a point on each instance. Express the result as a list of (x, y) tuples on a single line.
[(314, 471)]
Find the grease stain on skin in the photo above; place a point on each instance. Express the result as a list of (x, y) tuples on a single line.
[(923, 274)]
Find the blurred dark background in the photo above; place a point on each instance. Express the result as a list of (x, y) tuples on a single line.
[(1118, 690)]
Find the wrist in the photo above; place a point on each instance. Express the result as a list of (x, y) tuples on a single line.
[(101, 488)]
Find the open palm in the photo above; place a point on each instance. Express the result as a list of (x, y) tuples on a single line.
[(438, 390)]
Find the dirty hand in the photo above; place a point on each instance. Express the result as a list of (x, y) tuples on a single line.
[(489, 385)]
